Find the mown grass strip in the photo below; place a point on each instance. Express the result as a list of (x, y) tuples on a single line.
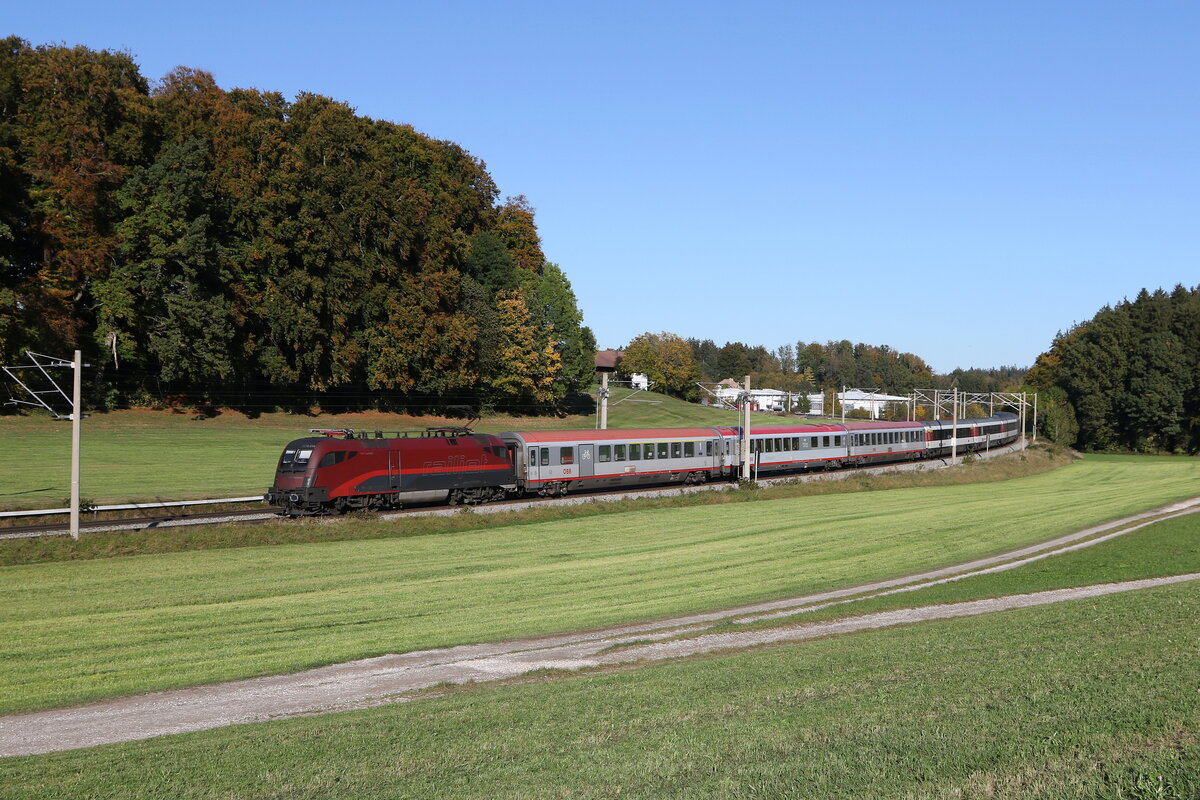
[(76, 631), (1087, 699), (1165, 548)]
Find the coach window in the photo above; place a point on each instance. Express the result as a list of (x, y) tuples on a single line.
[(768, 446), (648, 451), (676, 449), (545, 456), (605, 453), (837, 441), (566, 455), (708, 448), (635, 452), (689, 449), (778, 445), (824, 441), (618, 452), (532, 456), (662, 449)]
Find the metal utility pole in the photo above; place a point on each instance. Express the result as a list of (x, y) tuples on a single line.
[(1023, 403), (954, 429), (76, 407), (745, 471), (603, 401), (1035, 417), (76, 414)]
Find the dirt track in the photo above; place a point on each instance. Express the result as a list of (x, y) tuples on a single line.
[(397, 678)]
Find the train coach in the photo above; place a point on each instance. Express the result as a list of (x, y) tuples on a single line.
[(551, 462), (341, 470)]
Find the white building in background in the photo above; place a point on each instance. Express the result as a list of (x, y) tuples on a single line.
[(873, 403), (728, 391)]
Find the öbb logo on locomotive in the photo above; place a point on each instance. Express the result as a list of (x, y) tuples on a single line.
[(335, 471)]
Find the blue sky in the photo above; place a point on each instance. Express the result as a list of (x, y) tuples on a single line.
[(958, 180)]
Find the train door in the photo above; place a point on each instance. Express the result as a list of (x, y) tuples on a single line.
[(532, 472), (587, 465), (393, 457)]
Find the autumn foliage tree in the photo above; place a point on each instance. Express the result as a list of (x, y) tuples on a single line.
[(195, 235), (667, 360)]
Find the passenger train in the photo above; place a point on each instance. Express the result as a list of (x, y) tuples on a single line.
[(342, 470)]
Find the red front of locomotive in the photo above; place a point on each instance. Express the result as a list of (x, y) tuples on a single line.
[(318, 475)]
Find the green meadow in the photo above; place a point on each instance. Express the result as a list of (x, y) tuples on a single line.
[(81, 630), (144, 455), (1085, 699)]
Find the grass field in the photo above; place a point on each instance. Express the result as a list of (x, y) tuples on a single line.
[(76, 631), (1087, 699), (143, 455)]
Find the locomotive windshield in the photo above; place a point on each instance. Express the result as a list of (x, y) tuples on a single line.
[(295, 459)]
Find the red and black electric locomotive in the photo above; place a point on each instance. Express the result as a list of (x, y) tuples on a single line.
[(344, 470)]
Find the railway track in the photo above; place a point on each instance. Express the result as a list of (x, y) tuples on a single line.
[(264, 514), (140, 523)]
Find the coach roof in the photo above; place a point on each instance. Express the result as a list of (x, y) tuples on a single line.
[(617, 435)]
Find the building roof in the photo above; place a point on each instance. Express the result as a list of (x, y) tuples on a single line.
[(606, 360)]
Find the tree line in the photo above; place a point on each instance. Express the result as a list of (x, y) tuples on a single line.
[(185, 234), (676, 365), (1129, 378)]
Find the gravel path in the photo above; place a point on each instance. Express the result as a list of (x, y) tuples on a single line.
[(397, 678)]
